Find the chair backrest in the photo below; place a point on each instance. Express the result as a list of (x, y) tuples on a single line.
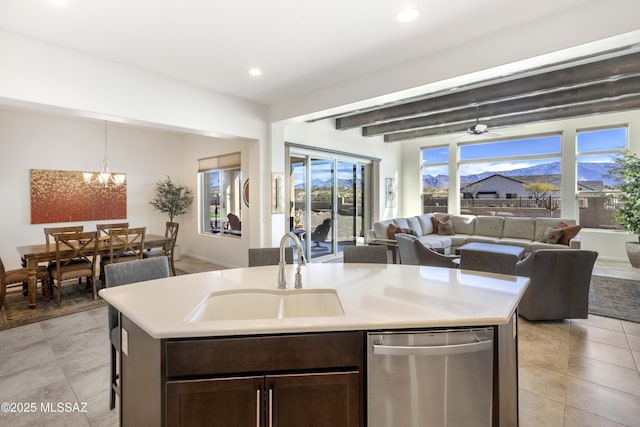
[(74, 247), (126, 242), (375, 254), (269, 256), (105, 228), (322, 231), (560, 281), (413, 252), (140, 270), (234, 222), (50, 231), (171, 232)]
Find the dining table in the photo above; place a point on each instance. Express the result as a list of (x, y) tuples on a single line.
[(33, 255)]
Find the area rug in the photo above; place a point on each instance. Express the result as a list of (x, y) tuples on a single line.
[(613, 297), (75, 298)]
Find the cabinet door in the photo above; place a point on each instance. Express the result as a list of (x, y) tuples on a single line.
[(215, 402), (314, 400)]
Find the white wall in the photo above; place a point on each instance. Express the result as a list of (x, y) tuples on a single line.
[(579, 30), (32, 140), (229, 251), (38, 141), (412, 181), (323, 134)]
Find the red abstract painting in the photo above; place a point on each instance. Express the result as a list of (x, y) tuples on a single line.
[(63, 196)]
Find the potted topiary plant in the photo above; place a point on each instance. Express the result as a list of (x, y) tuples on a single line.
[(628, 215), (172, 199)]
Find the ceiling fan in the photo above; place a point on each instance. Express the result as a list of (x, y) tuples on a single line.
[(478, 128)]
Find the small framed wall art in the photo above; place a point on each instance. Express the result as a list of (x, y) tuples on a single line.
[(277, 193)]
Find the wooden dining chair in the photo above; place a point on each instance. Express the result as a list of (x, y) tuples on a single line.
[(20, 276), (104, 229), (50, 231), (171, 233), (50, 240), (75, 258), (125, 244)]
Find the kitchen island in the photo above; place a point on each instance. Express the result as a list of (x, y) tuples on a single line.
[(178, 366)]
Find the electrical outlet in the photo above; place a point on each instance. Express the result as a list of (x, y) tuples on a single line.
[(125, 341)]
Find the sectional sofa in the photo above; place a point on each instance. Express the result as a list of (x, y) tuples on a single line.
[(528, 233)]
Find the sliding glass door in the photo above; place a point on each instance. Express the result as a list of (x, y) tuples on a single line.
[(328, 203)]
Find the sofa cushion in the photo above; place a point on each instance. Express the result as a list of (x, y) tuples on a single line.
[(414, 224), (441, 243), (489, 226), (540, 245), (401, 222), (426, 224), (518, 228), (380, 228), (483, 239), (463, 224), (512, 241)]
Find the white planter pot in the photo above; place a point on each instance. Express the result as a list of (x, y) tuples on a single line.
[(633, 252)]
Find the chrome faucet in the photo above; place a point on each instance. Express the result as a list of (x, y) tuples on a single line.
[(282, 279)]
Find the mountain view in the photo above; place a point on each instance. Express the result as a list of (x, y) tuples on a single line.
[(586, 172)]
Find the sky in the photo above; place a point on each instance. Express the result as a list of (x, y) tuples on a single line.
[(587, 142)]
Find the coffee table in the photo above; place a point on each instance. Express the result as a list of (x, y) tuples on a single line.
[(490, 257)]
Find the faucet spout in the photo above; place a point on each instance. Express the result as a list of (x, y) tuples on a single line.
[(282, 279)]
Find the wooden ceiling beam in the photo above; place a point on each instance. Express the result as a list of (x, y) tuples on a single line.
[(624, 103), (607, 90), (580, 74)]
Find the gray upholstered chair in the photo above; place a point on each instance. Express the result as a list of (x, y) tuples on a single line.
[(413, 252), (269, 256), (124, 273), (365, 254), (560, 280)]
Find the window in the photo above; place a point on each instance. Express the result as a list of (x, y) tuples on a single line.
[(515, 177), (435, 179), (597, 152), (221, 195)]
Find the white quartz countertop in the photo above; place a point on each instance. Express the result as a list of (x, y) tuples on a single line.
[(373, 297)]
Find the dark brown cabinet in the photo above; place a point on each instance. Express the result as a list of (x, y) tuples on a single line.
[(300, 400), (301, 380)]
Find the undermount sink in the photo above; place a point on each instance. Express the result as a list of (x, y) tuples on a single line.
[(247, 304)]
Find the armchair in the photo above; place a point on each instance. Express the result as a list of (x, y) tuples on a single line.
[(560, 280), (413, 252)]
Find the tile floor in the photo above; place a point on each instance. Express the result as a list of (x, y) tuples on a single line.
[(578, 373)]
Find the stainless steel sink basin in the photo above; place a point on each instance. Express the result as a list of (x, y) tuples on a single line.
[(247, 304)]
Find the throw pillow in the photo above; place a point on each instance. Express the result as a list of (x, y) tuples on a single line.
[(392, 230), (445, 227), (551, 235), (568, 232), (434, 222)]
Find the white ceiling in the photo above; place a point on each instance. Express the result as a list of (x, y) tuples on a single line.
[(300, 45)]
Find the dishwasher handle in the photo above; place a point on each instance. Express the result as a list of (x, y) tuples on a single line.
[(436, 350)]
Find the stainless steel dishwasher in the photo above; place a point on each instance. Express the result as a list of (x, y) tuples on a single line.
[(440, 378)]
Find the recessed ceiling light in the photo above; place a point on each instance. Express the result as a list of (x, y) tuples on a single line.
[(59, 2), (255, 72), (407, 15)]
